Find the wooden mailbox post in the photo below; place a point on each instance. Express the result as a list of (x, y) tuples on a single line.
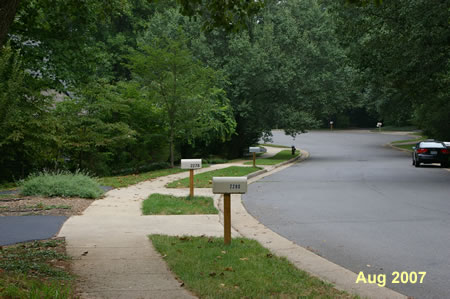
[(254, 150), (191, 164), (228, 186)]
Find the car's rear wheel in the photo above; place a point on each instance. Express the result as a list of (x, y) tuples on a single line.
[(417, 164), (445, 165)]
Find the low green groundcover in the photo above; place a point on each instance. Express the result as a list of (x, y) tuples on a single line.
[(243, 269), (63, 184), (161, 204)]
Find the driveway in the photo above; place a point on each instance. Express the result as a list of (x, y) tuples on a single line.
[(363, 206), (15, 229)]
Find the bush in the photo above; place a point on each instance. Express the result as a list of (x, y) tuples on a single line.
[(61, 183)]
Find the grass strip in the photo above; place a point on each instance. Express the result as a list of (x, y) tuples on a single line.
[(161, 204), (243, 269), (404, 146), (275, 145), (278, 158), (35, 270), (204, 180), (416, 140), (132, 179)]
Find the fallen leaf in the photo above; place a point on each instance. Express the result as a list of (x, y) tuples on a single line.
[(224, 252), (236, 287), (244, 258), (269, 255), (212, 274), (222, 285), (219, 257), (368, 266), (229, 269), (221, 274), (210, 240), (85, 253), (182, 284)]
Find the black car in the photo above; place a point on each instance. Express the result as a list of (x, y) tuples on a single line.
[(430, 152)]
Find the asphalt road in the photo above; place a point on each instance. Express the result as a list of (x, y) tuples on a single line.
[(15, 229), (363, 206)]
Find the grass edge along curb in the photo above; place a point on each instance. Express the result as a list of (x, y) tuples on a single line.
[(163, 204), (244, 268), (204, 179), (280, 157), (62, 183)]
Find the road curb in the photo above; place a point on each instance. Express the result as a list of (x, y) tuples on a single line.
[(397, 148), (249, 227)]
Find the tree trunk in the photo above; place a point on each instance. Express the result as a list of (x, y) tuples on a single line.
[(8, 10), (172, 164)]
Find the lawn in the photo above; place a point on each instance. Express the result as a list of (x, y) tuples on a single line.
[(275, 145), (35, 270), (204, 180), (132, 179), (404, 146), (278, 158), (415, 140), (161, 204), (243, 269)]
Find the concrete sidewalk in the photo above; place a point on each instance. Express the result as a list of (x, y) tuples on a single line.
[(115, 259), (109, 243)]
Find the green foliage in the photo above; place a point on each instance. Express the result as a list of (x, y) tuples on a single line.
[(183, 88), (243, 269), (63, 184), (204, 180), (160, 204), (400, 49), (26, 125)]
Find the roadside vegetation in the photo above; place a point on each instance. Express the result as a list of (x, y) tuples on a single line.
[(204, 180), (64, 184), (161, 204), (243, 269), (35, 270), (131, 179), (278, 158)]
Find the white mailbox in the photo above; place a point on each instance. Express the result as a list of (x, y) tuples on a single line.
[(229, 185), (191, 163), (254, 149), (331, 122)]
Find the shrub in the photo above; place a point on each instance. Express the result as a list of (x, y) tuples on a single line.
[(62, 183)]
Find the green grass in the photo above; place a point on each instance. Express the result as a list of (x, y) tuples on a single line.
[(405, 146), (204, 180), (243, 269), (394, 128), (160, 204), (132, 179), (275, 145), (63, 184), (278, 158), (414, 140), (29, 271)]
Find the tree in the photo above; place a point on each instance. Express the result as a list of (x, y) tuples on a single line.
[(182, 88)]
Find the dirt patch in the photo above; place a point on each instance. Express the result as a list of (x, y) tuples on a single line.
[(32, 205)]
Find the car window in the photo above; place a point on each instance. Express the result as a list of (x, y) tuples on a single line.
[(431, 145)]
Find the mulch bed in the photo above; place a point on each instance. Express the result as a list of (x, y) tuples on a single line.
[(32, 205)]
